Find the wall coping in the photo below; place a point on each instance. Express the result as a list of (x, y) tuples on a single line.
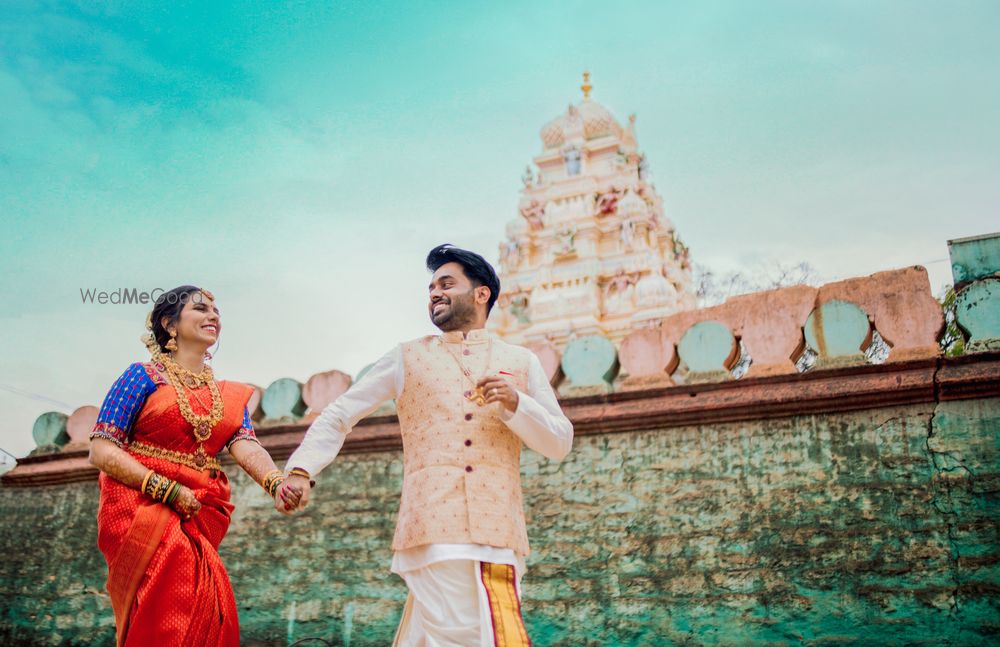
[(815, 392)]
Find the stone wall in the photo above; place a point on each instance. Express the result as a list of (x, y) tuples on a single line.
[(852, 505)]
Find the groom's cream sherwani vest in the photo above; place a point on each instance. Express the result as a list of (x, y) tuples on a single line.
[(461, 463)]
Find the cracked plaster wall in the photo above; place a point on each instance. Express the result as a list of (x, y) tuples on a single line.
[(869, 527)]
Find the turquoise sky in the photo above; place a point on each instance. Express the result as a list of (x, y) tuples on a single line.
[(299, 159)]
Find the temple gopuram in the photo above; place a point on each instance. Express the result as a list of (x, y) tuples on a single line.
[(591, 251)]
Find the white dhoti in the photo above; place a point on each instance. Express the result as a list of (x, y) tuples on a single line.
[(462, 603)]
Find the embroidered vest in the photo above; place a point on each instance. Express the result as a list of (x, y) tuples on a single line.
[(461, 463)]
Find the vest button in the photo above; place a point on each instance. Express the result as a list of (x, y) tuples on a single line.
[(468, 416), (468, 443), (468, 468)]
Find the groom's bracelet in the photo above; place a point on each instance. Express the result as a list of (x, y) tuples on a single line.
[(298, 471)]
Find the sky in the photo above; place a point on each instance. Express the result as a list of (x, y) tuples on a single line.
[(299, 159)]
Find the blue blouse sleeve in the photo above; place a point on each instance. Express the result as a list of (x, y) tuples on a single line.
[(245, 432), (122, 405)]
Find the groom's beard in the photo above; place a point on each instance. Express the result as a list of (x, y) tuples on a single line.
[(457, 313)]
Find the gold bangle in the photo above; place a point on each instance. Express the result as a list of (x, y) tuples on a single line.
[(145, 480), (269, 480), (270, 476), (298, 471)]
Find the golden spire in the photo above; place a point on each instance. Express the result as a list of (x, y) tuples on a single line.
[(586, 87)]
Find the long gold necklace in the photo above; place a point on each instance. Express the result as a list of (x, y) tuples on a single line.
[(476, 393), (182, 379), (197, 398)]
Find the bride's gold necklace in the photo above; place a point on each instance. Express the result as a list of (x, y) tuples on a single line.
[(183, 379)]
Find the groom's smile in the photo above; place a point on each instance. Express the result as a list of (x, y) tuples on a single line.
[(440, 310)]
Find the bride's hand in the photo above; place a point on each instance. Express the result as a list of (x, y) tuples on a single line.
[(186, 505), (292, 495)]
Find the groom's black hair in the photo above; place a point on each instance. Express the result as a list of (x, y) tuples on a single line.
[(475, 267)]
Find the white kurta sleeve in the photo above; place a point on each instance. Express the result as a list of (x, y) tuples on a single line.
[(538, 420), (326, 434)]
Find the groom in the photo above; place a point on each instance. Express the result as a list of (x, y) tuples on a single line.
[(466, 403)]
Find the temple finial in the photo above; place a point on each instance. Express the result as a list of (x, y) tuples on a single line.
[(586, 87)]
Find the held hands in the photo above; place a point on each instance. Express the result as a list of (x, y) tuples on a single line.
[(292, 495), (498, 389)]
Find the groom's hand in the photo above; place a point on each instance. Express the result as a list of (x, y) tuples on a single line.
[(497, 388), (292, 495)]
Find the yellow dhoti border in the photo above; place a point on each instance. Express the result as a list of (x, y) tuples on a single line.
[(481, 606), (500, 582)]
